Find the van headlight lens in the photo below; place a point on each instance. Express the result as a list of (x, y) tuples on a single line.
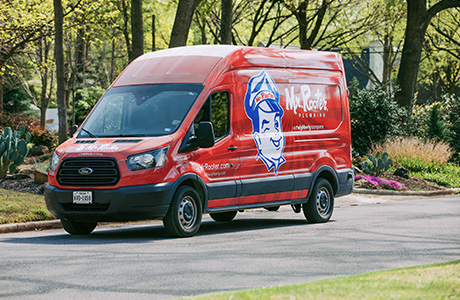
[(54, 162), (147, 160)]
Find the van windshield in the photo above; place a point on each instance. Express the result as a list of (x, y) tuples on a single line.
[(142, 110)]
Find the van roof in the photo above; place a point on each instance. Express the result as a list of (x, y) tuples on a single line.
[(193, 64)]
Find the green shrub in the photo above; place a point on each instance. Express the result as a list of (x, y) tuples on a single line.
[(374, 117), (453, 116), (447, 175), (436, 128)]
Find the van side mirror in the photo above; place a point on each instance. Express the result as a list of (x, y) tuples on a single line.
[(73, 129), (205, 135)]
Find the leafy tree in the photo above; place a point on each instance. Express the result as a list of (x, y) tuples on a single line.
[(384, 26), (418, 19)]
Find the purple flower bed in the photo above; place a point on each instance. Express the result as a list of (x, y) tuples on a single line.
[(372, 182)]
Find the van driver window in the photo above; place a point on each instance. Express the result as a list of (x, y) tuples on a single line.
[(217, 111)]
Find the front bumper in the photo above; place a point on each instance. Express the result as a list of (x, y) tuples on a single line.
[(142, 202)]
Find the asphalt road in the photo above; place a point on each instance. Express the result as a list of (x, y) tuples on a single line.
[(257, 249)]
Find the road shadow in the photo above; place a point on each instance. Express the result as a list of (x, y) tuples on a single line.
[(153, 231)]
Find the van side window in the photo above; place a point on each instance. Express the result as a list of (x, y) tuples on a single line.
[(217, 111)]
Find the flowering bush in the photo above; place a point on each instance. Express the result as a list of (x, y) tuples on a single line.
[(371, 182), (38, 135), (42, 136), (16, 120)]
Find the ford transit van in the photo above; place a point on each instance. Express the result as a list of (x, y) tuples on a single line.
[(208, 129)]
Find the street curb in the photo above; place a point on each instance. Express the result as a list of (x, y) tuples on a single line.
[(406, 193), (30, 226)]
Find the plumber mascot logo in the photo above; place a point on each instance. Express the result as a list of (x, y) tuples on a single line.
[(262, 107)]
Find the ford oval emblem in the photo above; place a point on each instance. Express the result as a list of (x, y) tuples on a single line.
[(85, 171)]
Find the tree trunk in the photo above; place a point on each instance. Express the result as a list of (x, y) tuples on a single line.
[(153, 34), (418, 19), (137, 29), (80, 61), (59, 58), (1, 92), (226, 22), (124, 8), (112, 58), (302, 19), (44, 99), (182, 22)]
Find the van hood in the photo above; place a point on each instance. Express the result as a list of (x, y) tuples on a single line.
[(114, 147)]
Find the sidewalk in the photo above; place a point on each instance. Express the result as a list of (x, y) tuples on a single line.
[(359, 196)]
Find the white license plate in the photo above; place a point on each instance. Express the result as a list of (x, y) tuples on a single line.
[(82, 197)]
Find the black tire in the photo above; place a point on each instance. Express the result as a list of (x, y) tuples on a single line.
[(223, 216), (320, 206), (184, 215), (272, 208), (78, 228)]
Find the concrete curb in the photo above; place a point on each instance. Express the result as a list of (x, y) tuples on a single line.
[(406, 193), (30, 226)]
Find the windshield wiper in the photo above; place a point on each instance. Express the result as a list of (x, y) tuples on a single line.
[(89, 133)]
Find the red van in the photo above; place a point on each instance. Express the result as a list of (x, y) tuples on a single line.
[(208, 129)]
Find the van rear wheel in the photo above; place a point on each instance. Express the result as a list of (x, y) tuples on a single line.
[(78, 228), (184, 216), (320, 206), (223, 216)]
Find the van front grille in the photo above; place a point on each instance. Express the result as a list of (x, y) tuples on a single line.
[(88, 172)]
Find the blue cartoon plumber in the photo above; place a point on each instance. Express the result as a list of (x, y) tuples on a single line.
[(262, 107)]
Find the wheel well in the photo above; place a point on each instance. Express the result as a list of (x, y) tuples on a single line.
[(329, 177), (197, 186)]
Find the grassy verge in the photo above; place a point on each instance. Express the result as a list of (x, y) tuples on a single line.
[(18, 207), (439, 281)]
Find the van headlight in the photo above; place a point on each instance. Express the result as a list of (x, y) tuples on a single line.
[(54, 162), (147, 160)]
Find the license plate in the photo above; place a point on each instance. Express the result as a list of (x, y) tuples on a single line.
[(82, 197)]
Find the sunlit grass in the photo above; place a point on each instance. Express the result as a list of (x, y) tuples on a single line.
[(440, 281), (16, 207)]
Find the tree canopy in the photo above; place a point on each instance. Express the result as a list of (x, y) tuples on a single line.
[(418, 41)]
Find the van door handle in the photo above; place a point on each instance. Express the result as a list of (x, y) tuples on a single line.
[(232, 148)]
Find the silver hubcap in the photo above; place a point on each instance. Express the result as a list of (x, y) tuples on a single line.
[(187, 212), (323, 203)]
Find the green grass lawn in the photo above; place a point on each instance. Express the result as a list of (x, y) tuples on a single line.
[(439, 281), (18, 207)]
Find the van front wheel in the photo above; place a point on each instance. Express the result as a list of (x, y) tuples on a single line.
[(78, 228), (319, 207), (184, 216)]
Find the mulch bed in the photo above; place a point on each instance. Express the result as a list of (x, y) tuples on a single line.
[(26, 185)]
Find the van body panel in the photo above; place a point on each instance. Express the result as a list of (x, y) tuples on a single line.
[(280, 119)]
